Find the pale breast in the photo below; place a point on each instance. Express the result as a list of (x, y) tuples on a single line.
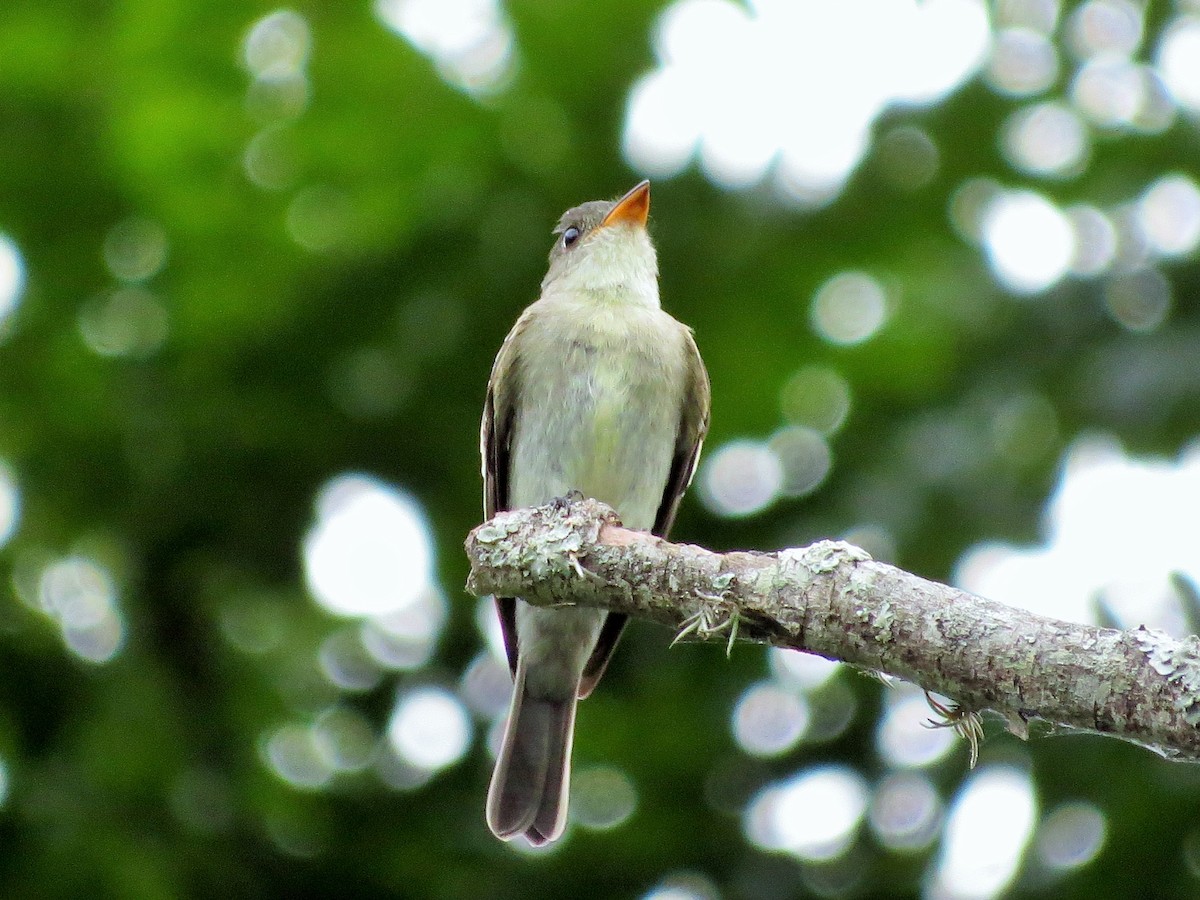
[(599, 408)]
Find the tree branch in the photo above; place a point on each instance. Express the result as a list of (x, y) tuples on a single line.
[(832, 599)]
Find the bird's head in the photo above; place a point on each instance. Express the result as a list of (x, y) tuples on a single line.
[(602, 248)]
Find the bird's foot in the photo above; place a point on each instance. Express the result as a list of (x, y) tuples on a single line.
[(571, 496)]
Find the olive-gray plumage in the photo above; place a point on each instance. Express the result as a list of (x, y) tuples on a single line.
[(595, 390)]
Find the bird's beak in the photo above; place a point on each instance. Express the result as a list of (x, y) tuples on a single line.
[(631, 209)]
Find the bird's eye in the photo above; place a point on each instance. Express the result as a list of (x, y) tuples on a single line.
[(570, 236)]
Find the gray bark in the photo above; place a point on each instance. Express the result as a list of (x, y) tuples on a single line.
[(832, 599)]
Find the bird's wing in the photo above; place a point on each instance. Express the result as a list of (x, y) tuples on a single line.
[(495, 439), (693, 425)]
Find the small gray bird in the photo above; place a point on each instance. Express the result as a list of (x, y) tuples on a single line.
[(595, 390)]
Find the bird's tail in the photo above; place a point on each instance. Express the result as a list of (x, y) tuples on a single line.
[(529, 787)]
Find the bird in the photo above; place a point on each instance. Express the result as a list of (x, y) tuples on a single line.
[(596, 391)]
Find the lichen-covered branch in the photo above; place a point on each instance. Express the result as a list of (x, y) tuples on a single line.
[(832, 599)]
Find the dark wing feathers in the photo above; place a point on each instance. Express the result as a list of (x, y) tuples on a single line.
[(495, 441), (693, 426)]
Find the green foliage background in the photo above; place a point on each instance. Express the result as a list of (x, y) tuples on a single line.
[(191, 471)]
